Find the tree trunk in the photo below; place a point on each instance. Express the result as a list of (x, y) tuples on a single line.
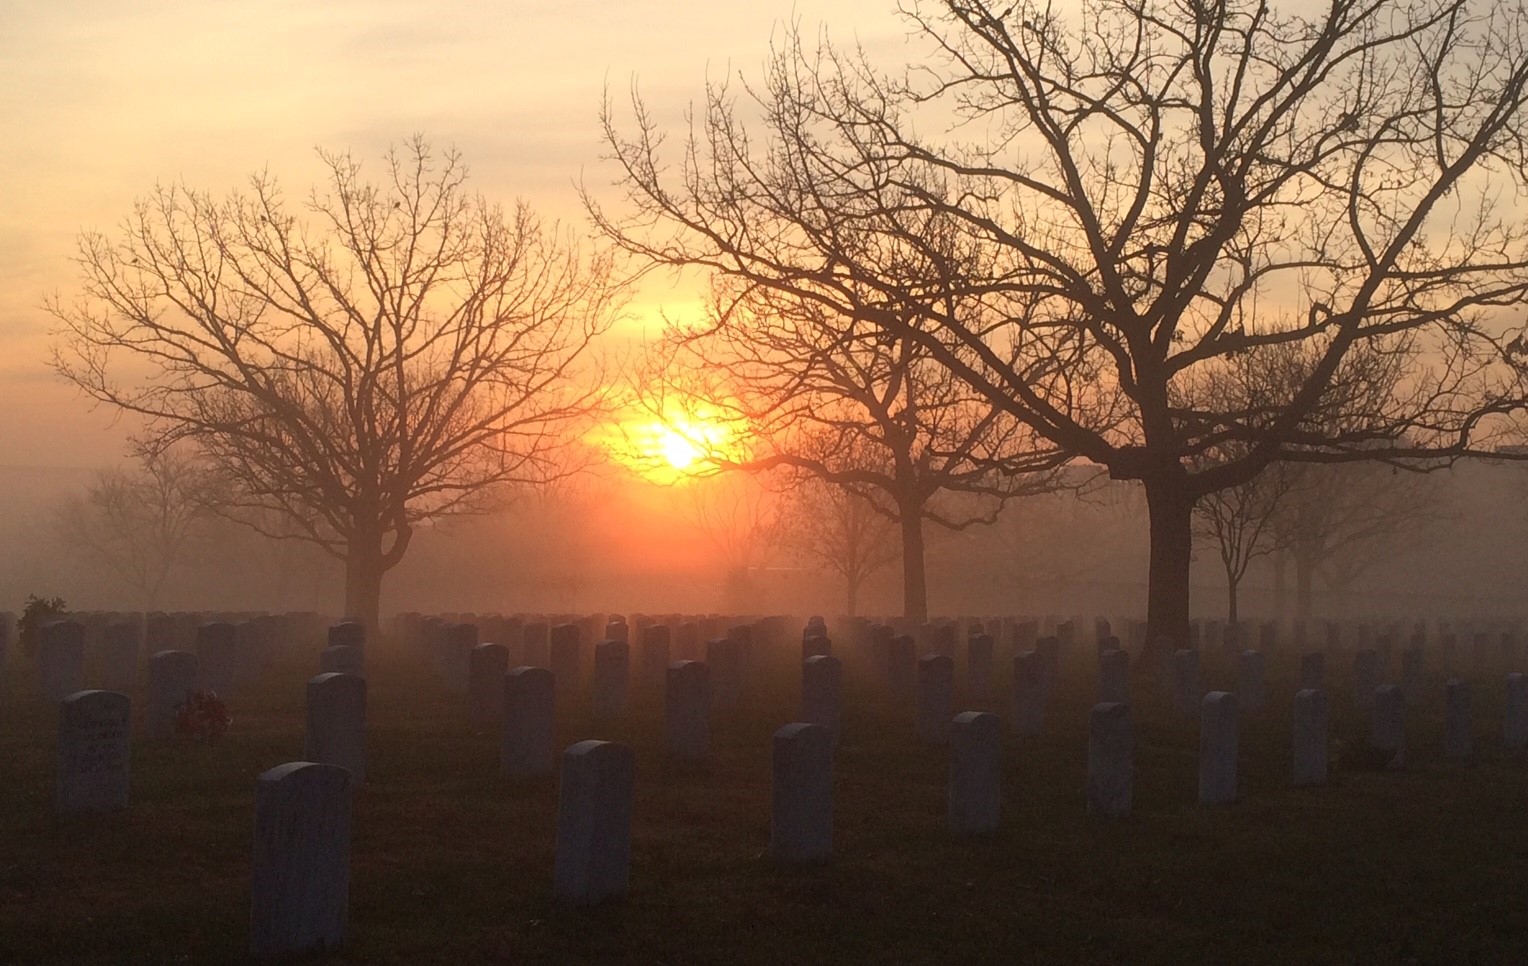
[(1171, 509), (851, 595), (914, 578), (1231, 583), (364, 568)]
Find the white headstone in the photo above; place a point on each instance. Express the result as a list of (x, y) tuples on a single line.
[(1311, 724), (1110, 760), (336, 733), (612, 680), (93, 745), (976, 773), (1387, 723), (301, 895), (61, 658), (594, 805), (1217, 748), (801, 795), (687, 711), (527, 750), (486, 666), (936, 698), (822, 692), (1458, 722), (1029, 693)]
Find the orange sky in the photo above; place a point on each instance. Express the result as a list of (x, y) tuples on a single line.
[(99, 100)]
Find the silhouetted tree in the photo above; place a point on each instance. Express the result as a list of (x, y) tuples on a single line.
[(391, 354), (1155, 191)]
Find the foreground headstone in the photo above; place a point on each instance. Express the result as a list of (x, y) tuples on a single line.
[(1458, 722), (612, 680), (527, 750), (594, 805), (822, 692), (1311, 725), (1110, 760), (336, 733), (1218, 748), (976, 770), (61, 659), (487, 665), (301, 894), (1387, 723), (687, 711), (172, 675), (936, 698), (801, 795), (93, 745), (1251, 679), (1114, 677), (1515, 717), (1029, 693)]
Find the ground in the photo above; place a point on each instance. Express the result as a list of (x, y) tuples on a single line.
[(451, 864)]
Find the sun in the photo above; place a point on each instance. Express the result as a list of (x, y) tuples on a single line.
[(687, 441)]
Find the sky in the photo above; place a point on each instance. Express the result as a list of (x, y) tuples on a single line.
[(99, 101)]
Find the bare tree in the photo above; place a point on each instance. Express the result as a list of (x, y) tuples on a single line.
[(744, 524), (1241, 522), (392, 354), (143, 523), (1157, 189)]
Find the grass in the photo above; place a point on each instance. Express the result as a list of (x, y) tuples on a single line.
[(452, 865)]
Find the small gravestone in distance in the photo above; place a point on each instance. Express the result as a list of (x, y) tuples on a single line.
[(534, 649), (1458, 722), (801, 794), (347, 634), (217, 656), (1187, 691), (336, 733), (616, 629), (61, 658), (1387, 723), (1311, 723), (527, 750), (594, 804), (301, 884), (1313, 671), (936, 698), (656, 648), (687, 711), (815, 645), (822, 692), (1029, 693), (565, 651), (120, 646), (902, 667), (1113, 677), (93, 744), (724, 658), (980, 658), (976, 769), (487, 665), (1365, 678), (687, 641), (1515, 717), (1110, 760), (172, 676), (1413, 672), (456, 667), (612, 680), (341, 659), (1218, 748)]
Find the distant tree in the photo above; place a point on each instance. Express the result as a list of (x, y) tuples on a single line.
[(1154, 190), (392, 354), (142, 523), (1242, 523), (744, 524)]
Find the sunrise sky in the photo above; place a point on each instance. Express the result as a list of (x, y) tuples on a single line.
[(99, 101)]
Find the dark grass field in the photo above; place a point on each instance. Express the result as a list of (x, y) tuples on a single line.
[(452, 865)]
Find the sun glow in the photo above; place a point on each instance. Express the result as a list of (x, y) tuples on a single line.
[(685, 442)]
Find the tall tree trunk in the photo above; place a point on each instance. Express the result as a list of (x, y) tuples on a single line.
[(851, 595), (914, 578), (364, 567), (1170, 507), (1231, 583)]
